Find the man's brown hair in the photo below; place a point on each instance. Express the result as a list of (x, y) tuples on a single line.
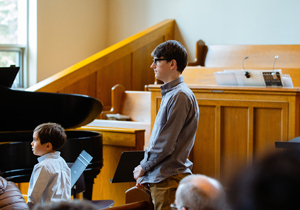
[(172, 49)]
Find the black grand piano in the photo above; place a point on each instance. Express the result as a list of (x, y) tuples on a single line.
[(22, 111)]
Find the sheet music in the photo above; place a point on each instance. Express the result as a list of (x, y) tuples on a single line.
[(287, 81), (225, 78)]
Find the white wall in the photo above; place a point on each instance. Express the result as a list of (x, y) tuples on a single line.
[(68, 31), (213, 21)]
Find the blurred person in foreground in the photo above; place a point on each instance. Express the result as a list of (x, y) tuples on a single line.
[(66, 205), (199, 192), (272, 183)]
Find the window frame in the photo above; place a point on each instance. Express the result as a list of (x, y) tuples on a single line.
[(21, 49)]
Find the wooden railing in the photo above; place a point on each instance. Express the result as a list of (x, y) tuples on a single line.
[(126, 63)]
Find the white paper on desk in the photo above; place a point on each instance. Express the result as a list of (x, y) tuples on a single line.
[(225, 78), (256, 78), (287, 81)]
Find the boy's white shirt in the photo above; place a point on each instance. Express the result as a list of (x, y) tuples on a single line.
[(50, 179)]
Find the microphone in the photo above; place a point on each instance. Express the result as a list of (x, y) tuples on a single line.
[(274, 74), (246, 73)]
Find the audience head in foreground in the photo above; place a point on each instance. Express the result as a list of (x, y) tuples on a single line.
[(272, 183), (199, 192), (67, 205), (10, 196)]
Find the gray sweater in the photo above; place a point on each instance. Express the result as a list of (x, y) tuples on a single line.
[(173, 134)]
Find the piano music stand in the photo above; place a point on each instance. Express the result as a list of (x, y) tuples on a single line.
[(293, 144), (8, 75), (79, 166), (128, 161), (77, 170)]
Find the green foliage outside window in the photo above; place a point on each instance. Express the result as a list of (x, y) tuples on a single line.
[(8, 31), (8, 21), (10, 53)]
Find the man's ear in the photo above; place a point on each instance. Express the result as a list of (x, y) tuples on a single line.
[(173, 64)]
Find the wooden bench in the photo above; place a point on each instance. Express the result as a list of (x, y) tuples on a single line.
[(260, 56), (135, 104)]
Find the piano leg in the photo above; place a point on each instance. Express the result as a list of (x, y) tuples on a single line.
[(89, 181)]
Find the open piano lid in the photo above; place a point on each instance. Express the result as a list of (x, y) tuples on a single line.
[(22, 111)]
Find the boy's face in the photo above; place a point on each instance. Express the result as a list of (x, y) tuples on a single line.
[(38, 148), (161, 69)]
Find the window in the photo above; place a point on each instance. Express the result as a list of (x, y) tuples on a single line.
[(13, 36)]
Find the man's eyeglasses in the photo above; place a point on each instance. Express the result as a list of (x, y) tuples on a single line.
[(174, 207), (158, 59)]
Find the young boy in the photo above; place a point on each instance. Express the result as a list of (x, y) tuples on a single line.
[(51, 177), (166, 161)]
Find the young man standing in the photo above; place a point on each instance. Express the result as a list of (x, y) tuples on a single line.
[(166, 159)]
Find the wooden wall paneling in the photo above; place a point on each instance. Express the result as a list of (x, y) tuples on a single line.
[(230, 133), (85, 86), (204, 158), (169, 36), (250, 140), (118, 72), (234, 139), (218, 138), (271, 124), (293, 117), (297, 117), (142, 73)]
